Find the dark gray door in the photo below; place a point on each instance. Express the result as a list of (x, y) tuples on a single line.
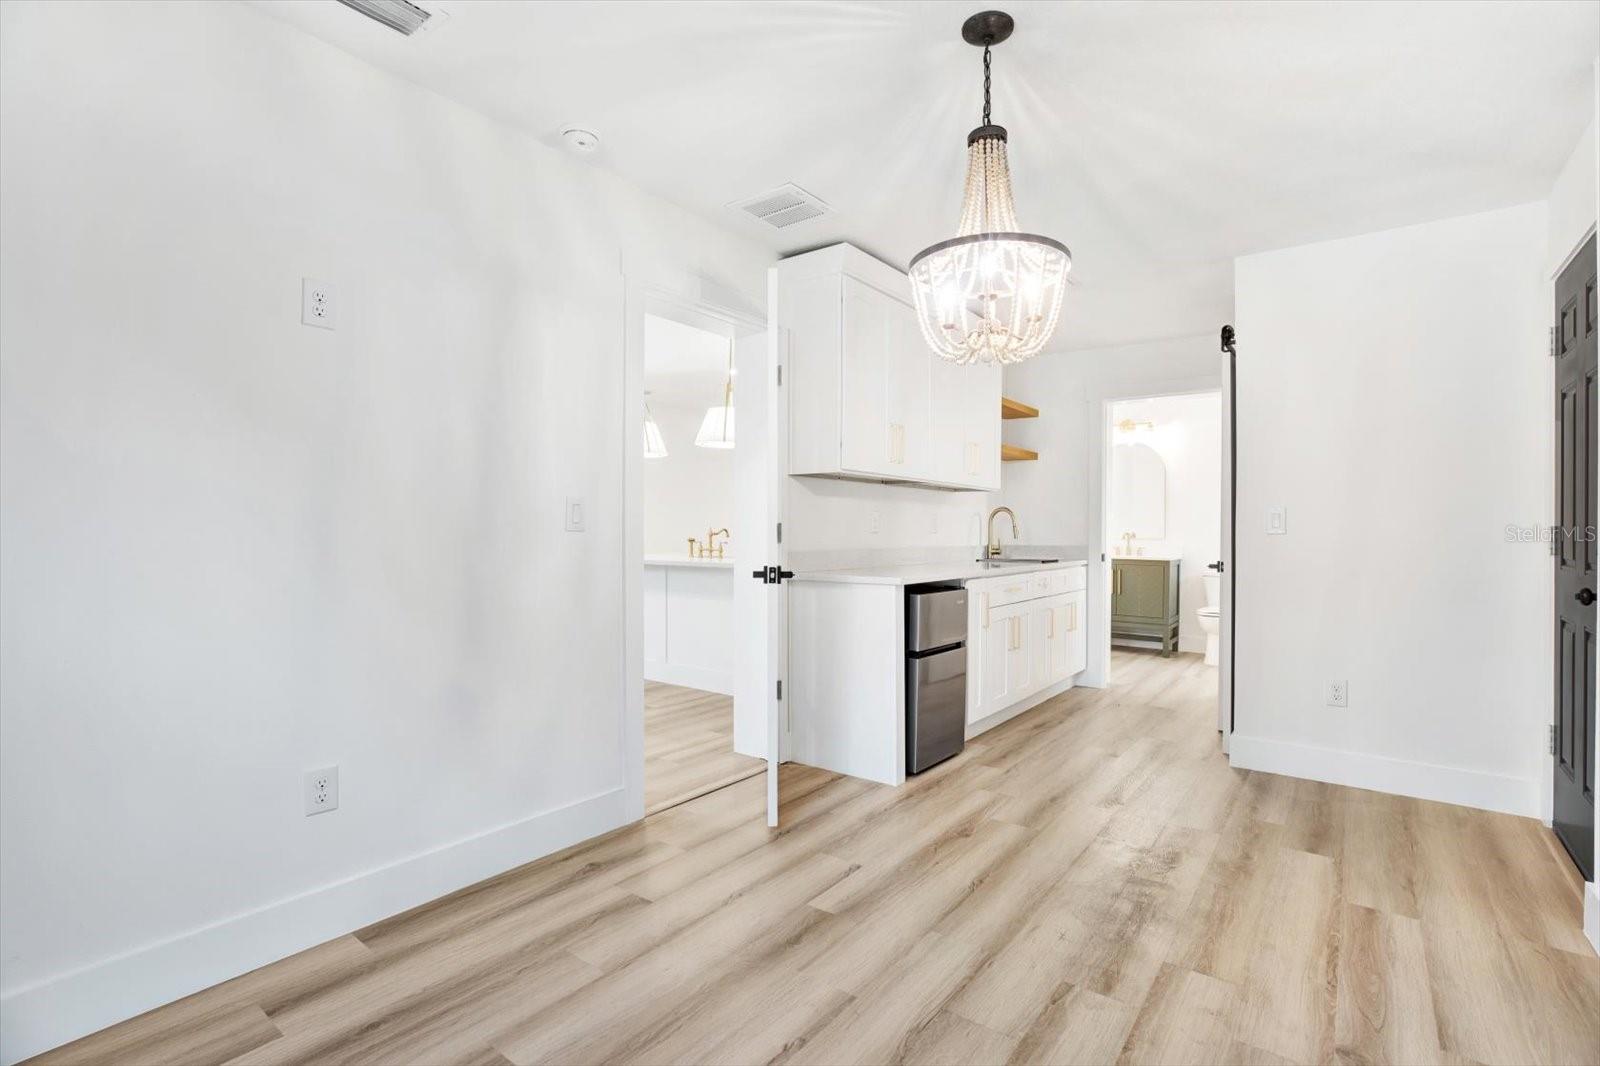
[(1574, 339)]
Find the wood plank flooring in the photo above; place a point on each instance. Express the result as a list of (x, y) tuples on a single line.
[(688, 745), (1089, 883)]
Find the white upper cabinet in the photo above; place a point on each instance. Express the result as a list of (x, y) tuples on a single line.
[(867, 397)]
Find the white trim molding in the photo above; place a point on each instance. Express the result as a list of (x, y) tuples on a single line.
[(1400, 777), (52, 1012), (706, 680), (1591, 915)]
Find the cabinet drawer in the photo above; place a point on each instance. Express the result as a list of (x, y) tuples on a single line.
[(1001, 591), (998, 592), (1056, 582)]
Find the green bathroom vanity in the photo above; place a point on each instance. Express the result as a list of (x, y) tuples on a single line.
[(1144, 600)]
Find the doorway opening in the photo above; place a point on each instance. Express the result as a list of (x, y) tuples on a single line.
[(1162, 507), (691, 535)]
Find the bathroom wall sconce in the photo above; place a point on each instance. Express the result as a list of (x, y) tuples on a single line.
[(1129, 425)]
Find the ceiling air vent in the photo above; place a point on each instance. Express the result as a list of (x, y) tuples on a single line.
[(783, 206), (399, 15)]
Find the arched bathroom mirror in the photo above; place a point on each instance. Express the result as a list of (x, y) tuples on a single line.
[(1138, 492)]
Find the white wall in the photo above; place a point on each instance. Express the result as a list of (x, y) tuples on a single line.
[(1573, 201), (233, 548), (1057, 495), (835, 523), (1394, 395), (691, 490), (1188, 438)]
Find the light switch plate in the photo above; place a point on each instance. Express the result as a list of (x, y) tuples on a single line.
[(1277, 521), (575, 517), (316, 303)]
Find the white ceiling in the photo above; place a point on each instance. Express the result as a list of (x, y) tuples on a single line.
[(1158, 140)]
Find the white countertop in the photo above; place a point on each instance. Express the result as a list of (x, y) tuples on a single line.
[(725, 563), (920, 573)]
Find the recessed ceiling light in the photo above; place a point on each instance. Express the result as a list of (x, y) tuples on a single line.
[(580, 139)]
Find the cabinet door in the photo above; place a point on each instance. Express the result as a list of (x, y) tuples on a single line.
[(997, 640), (1052, 658), (907, 388), (964, 427), (981, 448), (884, 385), (1075, 647), (870, 335), (951, 458), (1141, 591), (1021, 669)]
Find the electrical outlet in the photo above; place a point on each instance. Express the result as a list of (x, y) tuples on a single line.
[(1338, 694), (322, 790), (1277, 521), (874, 522), (316, 303)]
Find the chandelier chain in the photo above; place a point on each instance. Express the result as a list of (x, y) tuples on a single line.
[(985, 85)]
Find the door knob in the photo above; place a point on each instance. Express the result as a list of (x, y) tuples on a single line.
[(1585, 596), (1217, 566)]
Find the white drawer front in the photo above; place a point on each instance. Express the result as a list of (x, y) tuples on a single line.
[(1007, 590)]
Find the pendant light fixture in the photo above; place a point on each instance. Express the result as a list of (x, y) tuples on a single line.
[(716, 429), (655, 446), (990, 294)]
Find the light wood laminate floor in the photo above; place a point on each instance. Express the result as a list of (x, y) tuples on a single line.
[(688, 745), (1088, 883)]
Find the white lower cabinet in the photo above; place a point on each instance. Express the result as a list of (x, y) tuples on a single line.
[(1063, 651), (1018, 648)]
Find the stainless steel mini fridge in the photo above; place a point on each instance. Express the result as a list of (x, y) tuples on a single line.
[(936, 675)]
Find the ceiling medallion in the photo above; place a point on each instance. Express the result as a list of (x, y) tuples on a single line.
[(990, 294)]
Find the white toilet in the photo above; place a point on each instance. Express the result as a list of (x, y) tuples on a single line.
[(1211, 617)]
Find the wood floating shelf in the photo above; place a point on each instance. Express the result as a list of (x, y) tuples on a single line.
[(1010, 453), (1010, 408)]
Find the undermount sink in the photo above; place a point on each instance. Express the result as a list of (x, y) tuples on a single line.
[(989, 564)]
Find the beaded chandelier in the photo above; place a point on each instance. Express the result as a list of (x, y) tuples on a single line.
[(990, 294)]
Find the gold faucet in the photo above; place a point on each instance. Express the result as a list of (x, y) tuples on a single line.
[(713, 549), (1127, 545), (993, 550)]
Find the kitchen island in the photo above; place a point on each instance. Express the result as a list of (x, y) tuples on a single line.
[(847, 710)]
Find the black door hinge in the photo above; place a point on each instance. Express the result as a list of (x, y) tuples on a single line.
[(780, 688)]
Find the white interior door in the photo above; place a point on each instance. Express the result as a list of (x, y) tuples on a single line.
[(1225, 645), (760, 607)]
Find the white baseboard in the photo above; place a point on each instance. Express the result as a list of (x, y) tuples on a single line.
[(1401, 777), (1591, 915), (689, 677), (52, 1012), (983, 725)]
